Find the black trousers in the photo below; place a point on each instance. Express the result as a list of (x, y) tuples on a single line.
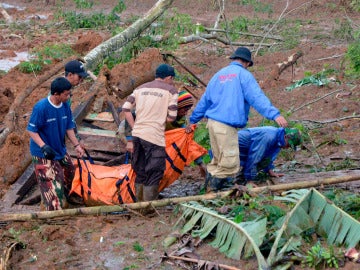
[(148, 162)]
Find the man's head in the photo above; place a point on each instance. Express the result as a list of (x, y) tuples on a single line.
[(293, 137), (75, 72), (185, 102), (165, 72), (243, 54), (60, 89)]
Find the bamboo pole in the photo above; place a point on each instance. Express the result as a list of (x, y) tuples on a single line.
[(201, 262), (98, 210)]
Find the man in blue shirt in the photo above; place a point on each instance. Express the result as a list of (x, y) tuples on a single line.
[(226, 104), (51, 120), (260, 146)]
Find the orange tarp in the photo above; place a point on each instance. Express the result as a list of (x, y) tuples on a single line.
[(100, 185)]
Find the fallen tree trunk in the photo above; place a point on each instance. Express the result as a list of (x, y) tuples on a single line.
[(160, 203), (7, 17), (95, 56)]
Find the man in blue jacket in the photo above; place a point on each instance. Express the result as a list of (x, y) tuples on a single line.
[(226, 104), (260, 146)]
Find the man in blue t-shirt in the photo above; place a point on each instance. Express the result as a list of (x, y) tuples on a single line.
[(51, 120)]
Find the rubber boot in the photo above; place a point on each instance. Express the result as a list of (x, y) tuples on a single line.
[(139, 191), (151, 193)]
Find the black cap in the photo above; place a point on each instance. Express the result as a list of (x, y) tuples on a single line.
[(60, 85), (244, 54), (76, 67), (164, 71)]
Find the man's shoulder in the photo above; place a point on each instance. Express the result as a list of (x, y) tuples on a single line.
[(157, 84)]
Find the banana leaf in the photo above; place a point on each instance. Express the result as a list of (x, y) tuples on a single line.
[(234, 240), (311, 210)]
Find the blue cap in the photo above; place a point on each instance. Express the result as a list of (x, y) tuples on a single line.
[(76, 67), (164, 71)]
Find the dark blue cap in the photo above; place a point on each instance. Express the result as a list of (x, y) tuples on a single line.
[(76, 67), (164, 71)]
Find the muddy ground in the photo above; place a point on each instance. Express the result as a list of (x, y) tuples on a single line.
[(107, 241)]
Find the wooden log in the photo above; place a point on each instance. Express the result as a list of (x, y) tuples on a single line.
[(160, 203), (97, 55)]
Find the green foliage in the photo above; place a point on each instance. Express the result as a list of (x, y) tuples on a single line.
[(344, 30), (355, 5), (120, 7), (133, 266), (44, 56), (54, 51), (319, 257), (239, 24), (347, 201), (353, 58), (258, 6), (94, 20), (201, 136), (319, 79), (15, 234), (137, 247), (345, 164), (84, 3), (32, 66)]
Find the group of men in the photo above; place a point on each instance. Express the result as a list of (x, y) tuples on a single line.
[(159, 106)]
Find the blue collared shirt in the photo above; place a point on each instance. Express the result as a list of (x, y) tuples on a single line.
[(259, 147)]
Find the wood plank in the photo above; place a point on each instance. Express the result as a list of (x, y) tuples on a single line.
[(100, 143), (103, 116), (20, 188), (97, 132)]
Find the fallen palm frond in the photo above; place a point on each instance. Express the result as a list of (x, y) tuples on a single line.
[(312, 210), (338, 227), (233, 239)]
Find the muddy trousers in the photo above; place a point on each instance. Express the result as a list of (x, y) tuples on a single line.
[(225, 148), (54, 178), (149, 163)]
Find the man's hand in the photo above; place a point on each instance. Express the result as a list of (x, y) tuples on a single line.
[(188, 129), (79, 151), (274, 174), (281, 121), (48, 152), (82, 144), (130, 147)]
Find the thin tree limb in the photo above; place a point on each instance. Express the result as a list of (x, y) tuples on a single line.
[(222, 266), (331, 120), (317, 99), (243, 33)]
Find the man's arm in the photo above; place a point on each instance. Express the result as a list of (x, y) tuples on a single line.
[(77, 146), (37, 139)]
